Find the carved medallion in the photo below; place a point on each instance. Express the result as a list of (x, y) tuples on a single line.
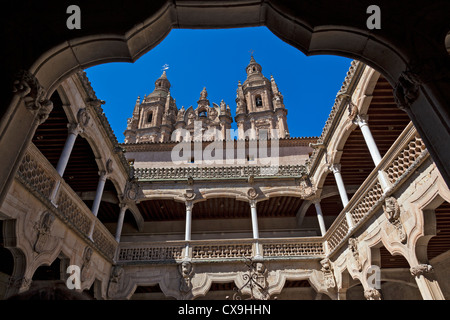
[(189, 194), (252, 193), (43, 228), (83, 117)]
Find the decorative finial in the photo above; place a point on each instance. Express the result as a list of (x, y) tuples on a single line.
[(165, 67)]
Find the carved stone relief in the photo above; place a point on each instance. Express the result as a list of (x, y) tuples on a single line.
[(43, 231), (392, 212), (353, 248)]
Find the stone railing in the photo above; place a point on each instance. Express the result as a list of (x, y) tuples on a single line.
[(292, 247), (41, 178), (407, 152), (220, 250), (231, 172)]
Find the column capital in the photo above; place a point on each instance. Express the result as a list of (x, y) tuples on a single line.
[(74, 128), (361, 119), (123, 205), (103, 174), (335, 168), (316, 201), (420, 269), (252, 203), (189, 205)]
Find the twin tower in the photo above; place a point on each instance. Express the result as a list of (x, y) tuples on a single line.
[(259, 108)]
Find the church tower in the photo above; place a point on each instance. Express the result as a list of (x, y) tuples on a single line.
[(259, 106), (154, 118)]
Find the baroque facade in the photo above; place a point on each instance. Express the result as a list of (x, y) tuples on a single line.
[(360, 212)]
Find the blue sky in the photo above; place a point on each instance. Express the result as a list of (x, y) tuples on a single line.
[(216, 59)]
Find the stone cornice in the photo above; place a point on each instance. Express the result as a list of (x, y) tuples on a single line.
[(97, 108), (349, 85)]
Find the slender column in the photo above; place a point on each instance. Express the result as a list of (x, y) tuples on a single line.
[(74, 130), (123, 209), (427, 282), (187, 236), (323, 230), (97, 200), (336, 169), (254, 215), (189, 206), (361, 121), (99, 193)]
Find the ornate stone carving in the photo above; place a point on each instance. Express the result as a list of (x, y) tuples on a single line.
[(115, 281), (392, 212), (406, 90), (86, 264), (189, 194), (252, 194), (43, 230), (186, 270), (353, 248), (95, 103), (328, 274), (19, 282), (132, 190), (83, 117), (109, 166), (372, 294), (28, 88), (255, 281), (307, 188), (420, 269)]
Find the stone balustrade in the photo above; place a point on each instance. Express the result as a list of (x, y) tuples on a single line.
[(225, 172), (38, 175), (405, 153)]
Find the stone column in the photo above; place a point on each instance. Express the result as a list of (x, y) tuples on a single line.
[(336, 169), (187, 234), (323, 230), (427, 283), (123, 209), (99, 193), (97, 200), (74, 129), (255, 230), (361, 121)]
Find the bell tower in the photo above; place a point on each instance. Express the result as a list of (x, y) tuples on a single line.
[(259, 106), (153, 117)]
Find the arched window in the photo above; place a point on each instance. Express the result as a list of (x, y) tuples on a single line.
[(150, 117), (258, 100), (202, 114)]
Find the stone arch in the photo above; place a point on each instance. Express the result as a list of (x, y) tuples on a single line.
[(311, 36), (423, 206)]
